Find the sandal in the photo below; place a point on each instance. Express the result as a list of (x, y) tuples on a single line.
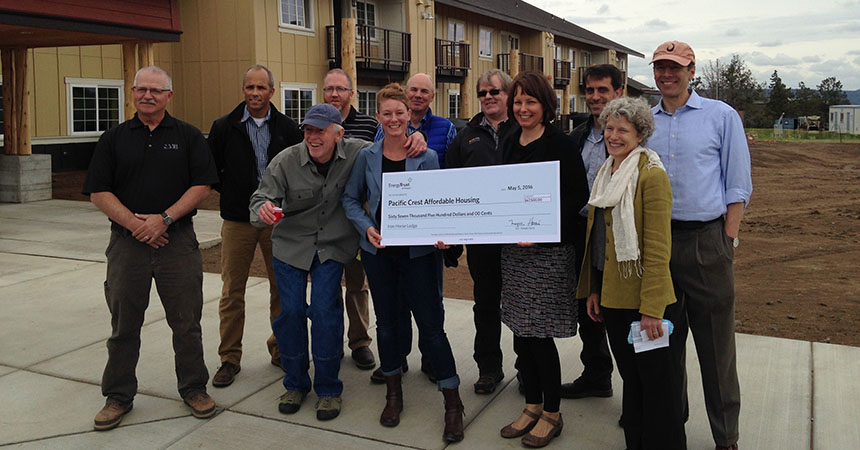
[(530, 440), (509, 432)]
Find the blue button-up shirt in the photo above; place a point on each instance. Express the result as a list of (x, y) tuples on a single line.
[(704, 150), (593, 156), (260, 139)]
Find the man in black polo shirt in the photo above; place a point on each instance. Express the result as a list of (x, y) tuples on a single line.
[(147, 175), (243, 142), (480, 143)]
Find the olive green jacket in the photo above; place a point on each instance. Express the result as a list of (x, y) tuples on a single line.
[(652, 210)]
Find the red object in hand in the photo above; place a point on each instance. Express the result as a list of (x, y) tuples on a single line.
[(278, 214)]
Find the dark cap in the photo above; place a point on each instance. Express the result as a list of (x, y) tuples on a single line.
[(321, 116)]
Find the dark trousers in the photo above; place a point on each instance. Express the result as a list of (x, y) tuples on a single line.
[(540, 369), (399, 280), (595, 356), (485, 267), (653, 383), (178, 272), (703, 275)]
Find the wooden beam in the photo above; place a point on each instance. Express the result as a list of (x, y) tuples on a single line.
[(466, 92), (9, 144), (145, 54), (129, 68), (565, 98), (22, 97), (514, 61), (347, 55)]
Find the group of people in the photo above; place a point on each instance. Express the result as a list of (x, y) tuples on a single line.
[(651, 204)]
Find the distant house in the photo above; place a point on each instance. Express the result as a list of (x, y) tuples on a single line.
[(843, 118)]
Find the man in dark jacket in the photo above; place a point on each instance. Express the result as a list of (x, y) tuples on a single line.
[(480, 143), (242, 143), (603, 83)]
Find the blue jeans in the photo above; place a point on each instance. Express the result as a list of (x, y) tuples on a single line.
[(291, 326), (398, 280)]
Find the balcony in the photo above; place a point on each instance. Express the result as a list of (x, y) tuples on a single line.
[(379, 52), (452, 61), (561, 73), (527, 62)]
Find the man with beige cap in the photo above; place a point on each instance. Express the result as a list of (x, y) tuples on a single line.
[(704, 150)]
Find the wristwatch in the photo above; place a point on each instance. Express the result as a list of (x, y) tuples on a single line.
[(736, 242), (169, 220)]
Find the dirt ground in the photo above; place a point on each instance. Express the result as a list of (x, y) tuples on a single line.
[(797, 269)]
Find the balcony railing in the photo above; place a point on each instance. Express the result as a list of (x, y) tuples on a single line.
[(561, 73), (375, 48), (452, 58), (527, 62)]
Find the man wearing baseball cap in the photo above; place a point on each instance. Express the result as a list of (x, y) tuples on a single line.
[(313, 238), (704, 150)]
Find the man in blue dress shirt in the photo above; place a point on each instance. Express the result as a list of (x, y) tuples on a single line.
[(704, 149)]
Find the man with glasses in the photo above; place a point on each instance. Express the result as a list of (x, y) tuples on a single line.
[(704, 149), (480, 143), (603, 83), (242, 143), (147, 175)]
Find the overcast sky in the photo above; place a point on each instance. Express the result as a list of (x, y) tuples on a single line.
[(805, 40)]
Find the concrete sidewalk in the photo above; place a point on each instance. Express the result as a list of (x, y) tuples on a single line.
[(54, 324)]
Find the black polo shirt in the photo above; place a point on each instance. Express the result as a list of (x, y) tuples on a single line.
[(147, 170)]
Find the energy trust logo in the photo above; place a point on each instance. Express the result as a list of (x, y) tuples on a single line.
[(401, 185)]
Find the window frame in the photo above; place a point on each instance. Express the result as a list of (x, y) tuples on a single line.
[(310, 17), (571, 56), (456, 24), (586, 55), (489, 42), (572, 104), (96, 83), (373, 36), (454, 93), (367, 90), (297, 87)]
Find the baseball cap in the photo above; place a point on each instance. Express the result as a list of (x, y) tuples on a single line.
[(321, 116), (677, 51)]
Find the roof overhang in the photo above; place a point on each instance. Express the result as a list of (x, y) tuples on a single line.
[(31, 31)]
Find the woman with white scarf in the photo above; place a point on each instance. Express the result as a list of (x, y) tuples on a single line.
[(625, 275)]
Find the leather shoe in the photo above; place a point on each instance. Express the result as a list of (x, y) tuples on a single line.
[(226, 374), (581, 388), (111, 415), (378, 378), (390, 416), (201, 404), (363, 358), (509, 432), (454, 412), (486, 384), (530, 440)]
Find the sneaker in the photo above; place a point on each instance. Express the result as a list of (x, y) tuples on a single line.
[(201, 404), (111, 415), (328, 407), (581, 388), (378, 378), (291, 401), (363, 358), (486, 384), (226, 374)]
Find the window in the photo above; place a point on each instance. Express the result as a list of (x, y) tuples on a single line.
[(485, 38), (365, 14), (1, 106), (298, 99), (572, 104), (453, 104), (557, 104), (556, 54), (510, 42), (367, 102), (456, 31), (583, 105), (296, 14), (571, 56), (93, 105), (586, 59)]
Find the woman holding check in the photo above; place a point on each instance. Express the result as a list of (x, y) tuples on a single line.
[(400, 275), (538, 280), (625, 275)]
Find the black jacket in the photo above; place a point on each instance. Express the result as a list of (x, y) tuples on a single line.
[(474, 146), (235, 159)]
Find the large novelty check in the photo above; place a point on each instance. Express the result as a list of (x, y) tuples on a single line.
[(479, 205)]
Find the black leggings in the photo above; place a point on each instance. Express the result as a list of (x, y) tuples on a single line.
[(537, 361)]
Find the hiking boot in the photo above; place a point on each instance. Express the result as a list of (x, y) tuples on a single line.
[(111, 415), (225, 375), (291, 401), (201, 404), (486, 384), (328, 407)]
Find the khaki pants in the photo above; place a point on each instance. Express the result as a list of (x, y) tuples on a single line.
[(239, 240), (356, 304)]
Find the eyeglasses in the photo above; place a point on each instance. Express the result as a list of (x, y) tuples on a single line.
[(493, 92), (153, 91), (339, 89)]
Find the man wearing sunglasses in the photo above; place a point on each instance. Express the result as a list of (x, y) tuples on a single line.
[(480, 143)]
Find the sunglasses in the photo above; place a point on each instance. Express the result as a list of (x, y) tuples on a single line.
[(493, 92)]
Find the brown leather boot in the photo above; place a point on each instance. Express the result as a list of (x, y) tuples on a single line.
[(390, 416), (453, 416)]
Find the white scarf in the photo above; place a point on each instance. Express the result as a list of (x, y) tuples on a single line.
[(617, 190)]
